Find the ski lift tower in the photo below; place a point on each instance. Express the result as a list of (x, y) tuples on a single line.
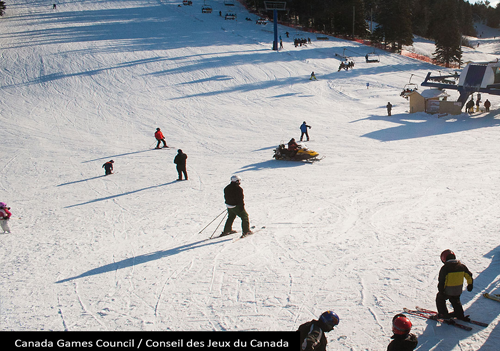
[(275, 6)]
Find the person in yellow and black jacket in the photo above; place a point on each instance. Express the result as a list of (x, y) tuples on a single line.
[(451, 278)]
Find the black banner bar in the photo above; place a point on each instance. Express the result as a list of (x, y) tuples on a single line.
[(133, 340)]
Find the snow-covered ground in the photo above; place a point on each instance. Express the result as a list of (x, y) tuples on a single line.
[(359, 232)]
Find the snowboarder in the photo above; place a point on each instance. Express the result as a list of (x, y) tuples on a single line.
[(450, 285), (180, 161), (108, 167), (487, 105), (160, 138), (402, 340), (470, 106), (54, 7), (303, 129), (312, 333), (4, 217), (233, 196), (313, 76), (389, 108)]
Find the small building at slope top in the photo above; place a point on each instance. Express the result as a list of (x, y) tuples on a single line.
[(433, 101)]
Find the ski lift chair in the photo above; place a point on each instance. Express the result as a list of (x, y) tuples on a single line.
[(372, 57)]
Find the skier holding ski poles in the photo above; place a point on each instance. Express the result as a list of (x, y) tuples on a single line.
[(451, 277)]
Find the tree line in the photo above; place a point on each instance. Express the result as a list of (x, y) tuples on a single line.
[(393, 22)]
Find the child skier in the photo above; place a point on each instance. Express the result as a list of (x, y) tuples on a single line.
[(402, 340), (451, 277), (4, 217), (312, 334), (159, 138), (108, 167)]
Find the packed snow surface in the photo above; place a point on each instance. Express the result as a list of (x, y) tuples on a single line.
[(359, 232)]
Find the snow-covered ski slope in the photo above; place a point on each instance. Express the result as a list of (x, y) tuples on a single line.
[(359, 232)]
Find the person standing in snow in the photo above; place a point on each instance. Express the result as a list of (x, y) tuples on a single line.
[(389, 108), (451, 277), (180, 161), (160, 138), (293, 148), (470, 106), (313, 76), (4, 217), (108, 167), (234, 198), (487, 105), (402, 340), (303, 129), (312, 333)]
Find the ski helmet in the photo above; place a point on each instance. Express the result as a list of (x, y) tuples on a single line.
[(157, 128), (235, 179), (3, 205), (401, 324), (331, 319), (112, 161), (445, 255)]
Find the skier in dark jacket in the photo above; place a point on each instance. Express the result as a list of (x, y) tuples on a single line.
[(451, 277), (469, 107), (312, 334), (487, 105), (233, 195), (180, 161), (108, 167), (389, 109), (402, 340), (303, 129)]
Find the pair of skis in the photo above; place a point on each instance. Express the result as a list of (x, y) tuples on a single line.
[(253, 228), (495, 297), (425, 313)]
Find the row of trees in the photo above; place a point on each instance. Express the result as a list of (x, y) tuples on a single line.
[(444, 21)]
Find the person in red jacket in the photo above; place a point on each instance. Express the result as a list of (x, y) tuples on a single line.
[(4, 217), (293, 148), (160, 138)]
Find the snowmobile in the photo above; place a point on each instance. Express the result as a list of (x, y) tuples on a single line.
[(303, 154)]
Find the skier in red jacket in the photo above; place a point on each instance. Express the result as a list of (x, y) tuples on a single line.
[(160, 138), (4, 217)]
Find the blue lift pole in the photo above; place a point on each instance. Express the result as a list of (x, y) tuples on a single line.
[(275, 21)]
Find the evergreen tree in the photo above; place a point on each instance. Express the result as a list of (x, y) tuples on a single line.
[(447, 34), (394, 20), (2, 8)]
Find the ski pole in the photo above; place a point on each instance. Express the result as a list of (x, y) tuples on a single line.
[(211, 236), (211, 221)]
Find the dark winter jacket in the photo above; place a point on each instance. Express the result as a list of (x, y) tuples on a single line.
[(451, 278), (312, 336), (303, 127), (180, 160), (233, 194), (108, 166), (292, 145), (406, 342)]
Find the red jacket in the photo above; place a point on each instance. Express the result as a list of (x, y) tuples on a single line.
[(159, 135), (4, 212)]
